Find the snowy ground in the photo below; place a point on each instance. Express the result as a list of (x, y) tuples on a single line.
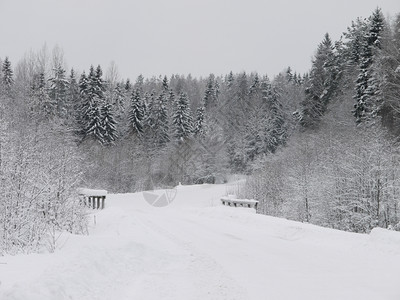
[(197, 249)]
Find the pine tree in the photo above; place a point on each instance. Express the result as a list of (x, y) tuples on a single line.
[(108, 125), (7, 78), (182, 119), (136, 114)]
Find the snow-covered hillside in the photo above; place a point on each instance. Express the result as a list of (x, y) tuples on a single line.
[(197, 249)]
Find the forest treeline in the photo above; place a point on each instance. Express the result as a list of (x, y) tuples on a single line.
[(320, 147)]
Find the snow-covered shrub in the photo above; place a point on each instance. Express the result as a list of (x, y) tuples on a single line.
[(347, 179), (39, 178)]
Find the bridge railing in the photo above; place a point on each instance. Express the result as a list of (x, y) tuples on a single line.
[(94, 199), (232, 201)]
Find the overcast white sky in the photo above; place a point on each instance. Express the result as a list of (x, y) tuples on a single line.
[(153, 37)]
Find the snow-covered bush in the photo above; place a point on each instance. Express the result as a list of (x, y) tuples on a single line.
[(347, 179), (39, 178)]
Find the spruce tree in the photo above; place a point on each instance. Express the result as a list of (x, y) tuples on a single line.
[(182, 119), (169, 103), (84, 104), (366, 86), (275, 126), (165, 84), (149, 111), (230, 79), (255, 86), (355, 35), (210, 98), (99, 84), (217, 89), (241, 87), (40, 101), (92, 97), (108, 125), (83, 85), (72, 103), (163, 123), (199, 129), (136, 114), (254, 140), (119, 101), (38, 82), (73, 91), (58, 85), (157, 121), (139, 84), (128, 85), (255, 125), (320, 86), (7, 78), (95, 83), (289, 74), (94, 127), (387, 68)]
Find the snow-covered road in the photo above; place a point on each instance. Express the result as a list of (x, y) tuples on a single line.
[(197, 249)]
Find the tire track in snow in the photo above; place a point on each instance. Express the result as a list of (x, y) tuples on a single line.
[(203, 276)]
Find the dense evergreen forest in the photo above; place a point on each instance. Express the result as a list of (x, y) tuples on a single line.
[(320, 147)]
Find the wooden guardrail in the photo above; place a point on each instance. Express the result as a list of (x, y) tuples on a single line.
[(93, 198), (232, 201)]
